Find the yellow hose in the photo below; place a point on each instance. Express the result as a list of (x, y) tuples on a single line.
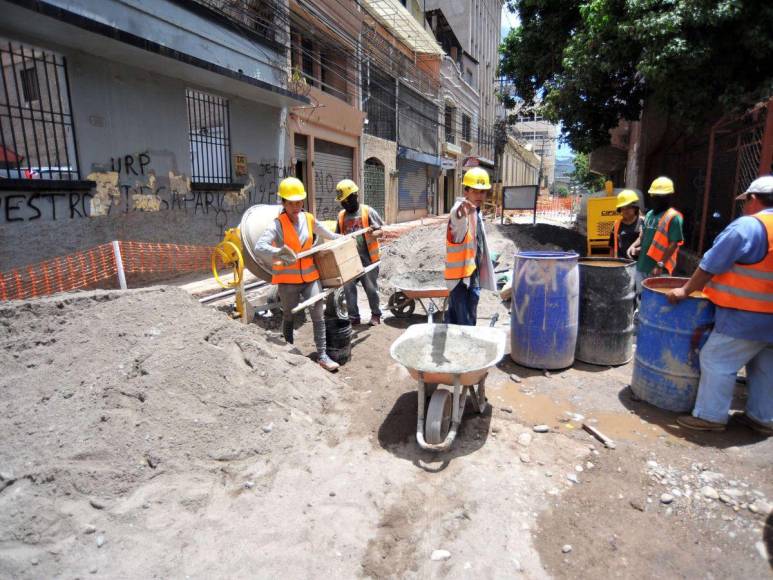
[(231, 255)]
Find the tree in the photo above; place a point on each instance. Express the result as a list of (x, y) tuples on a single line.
[(582, 174), (593, 63)]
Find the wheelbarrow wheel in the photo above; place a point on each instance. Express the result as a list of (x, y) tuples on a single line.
[(439, 413), (400, 305)]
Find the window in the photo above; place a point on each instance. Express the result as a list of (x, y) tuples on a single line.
[(210, 138), (37, 138), (450, 121), (29, 84), (466, 127)]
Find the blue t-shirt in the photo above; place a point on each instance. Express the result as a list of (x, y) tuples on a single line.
[(745, 241)]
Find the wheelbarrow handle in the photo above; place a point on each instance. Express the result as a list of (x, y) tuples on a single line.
[(494, 320)]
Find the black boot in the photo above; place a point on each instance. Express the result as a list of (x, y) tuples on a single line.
[(287, 330)]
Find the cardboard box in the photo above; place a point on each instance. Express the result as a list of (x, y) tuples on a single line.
[(339, 263)]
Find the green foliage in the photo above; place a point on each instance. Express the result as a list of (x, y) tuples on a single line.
[(562, 191), (594, 62), (583, 176)]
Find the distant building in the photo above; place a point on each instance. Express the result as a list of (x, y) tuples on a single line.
[(542, 135)]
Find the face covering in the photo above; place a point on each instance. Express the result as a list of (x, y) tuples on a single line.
[(660, 203), (350, 204)]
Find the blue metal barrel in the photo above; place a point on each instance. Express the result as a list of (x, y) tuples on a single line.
[(666, 369), (544, 310)]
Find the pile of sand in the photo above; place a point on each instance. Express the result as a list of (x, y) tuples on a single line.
[(103, 392)]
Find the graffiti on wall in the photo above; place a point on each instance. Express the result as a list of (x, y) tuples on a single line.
[(144, 182)]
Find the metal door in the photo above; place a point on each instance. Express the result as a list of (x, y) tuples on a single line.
[(332, 163), (374, 186), (411, 185)]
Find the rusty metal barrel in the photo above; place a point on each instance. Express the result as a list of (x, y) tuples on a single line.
[(607, 304)]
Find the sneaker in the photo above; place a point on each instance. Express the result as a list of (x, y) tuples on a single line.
[(328, 363), (753, 424), (354, 321), (375, 320), (698, 424)]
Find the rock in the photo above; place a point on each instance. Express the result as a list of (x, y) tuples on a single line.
[(540, 428), (637, 505), (100, 541), (268, 428), (762, 550), (440, 555), (732, 492), (666, 498), (332, 494), (89, 529), (652, 464), (709, 492), (725, 498), (97, 504), (573, 478), (249, 484), (589, 465), (515, 378), (495, 429), (761, 507), (566, 548), (34, 561), (93, 570), (578, 468), (152, 461), (507, 409), (524, 439), (517, 565), (524, 457)]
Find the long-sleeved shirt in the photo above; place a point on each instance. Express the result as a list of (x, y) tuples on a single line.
[(744, 241), (484, 269), (272, 239)]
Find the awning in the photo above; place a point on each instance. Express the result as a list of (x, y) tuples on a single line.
[(394, 17), (478, 162), (412, 154)]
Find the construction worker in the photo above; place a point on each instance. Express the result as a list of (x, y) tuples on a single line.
[(736, 274), (626, 229), (468, 262), (288, 235), (355, 216), (658, 243)]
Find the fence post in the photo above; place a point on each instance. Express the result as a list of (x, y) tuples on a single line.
[(119, 265)]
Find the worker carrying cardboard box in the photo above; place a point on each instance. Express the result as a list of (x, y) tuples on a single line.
[(468, 262), (736, 274), (355, 216), (288, 235)]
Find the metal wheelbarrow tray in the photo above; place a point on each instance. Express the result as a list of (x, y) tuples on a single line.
[(415, 286), (447, 354)]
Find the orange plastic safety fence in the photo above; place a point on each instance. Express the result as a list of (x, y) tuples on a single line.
[(92, 267), (81, 270)]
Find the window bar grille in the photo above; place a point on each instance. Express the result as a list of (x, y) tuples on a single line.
[(32, 124), (209, 134)]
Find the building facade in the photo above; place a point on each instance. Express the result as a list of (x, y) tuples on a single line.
[(533, 130), (119, 122)]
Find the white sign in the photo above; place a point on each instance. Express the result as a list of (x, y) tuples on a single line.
[(446, 163), (519, 196)]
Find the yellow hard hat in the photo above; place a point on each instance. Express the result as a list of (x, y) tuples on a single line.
[(626, 197), (345, 188), (662, 186), (292, 189), (476, 178)]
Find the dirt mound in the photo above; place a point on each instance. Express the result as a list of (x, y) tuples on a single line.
[(103, 392)]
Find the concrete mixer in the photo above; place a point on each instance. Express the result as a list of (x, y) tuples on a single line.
[(237, 252)]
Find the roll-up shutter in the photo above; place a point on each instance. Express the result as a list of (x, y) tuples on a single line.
[(332, 163), (411, 185), (300, 147)]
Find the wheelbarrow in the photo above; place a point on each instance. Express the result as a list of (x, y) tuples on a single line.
[(453, 355), (413, 287)]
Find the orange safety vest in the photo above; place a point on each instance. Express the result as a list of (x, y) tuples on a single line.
[(747, 286), (616, 235), (660, 242), (300, 271), (374, 248), (460, 258)]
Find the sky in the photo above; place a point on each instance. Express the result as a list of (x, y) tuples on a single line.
[(510, 20)]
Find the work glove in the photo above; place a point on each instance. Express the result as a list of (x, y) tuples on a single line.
[(286, 256), (376, 232)]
